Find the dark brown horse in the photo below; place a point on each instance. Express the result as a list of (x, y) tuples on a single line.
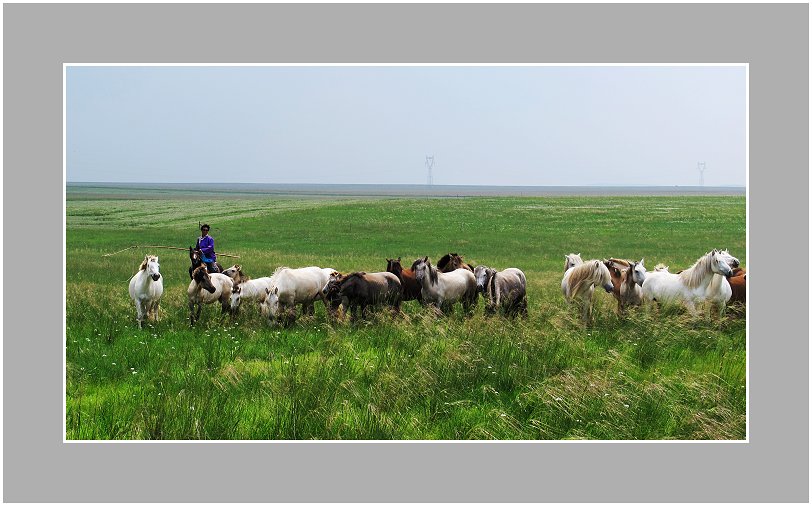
[(451, 262), (197, 261), (411, 288), (361, 290)]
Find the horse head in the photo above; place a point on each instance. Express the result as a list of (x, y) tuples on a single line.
[(638, 272), (730, 259), (333, 285), (422, 267), (720, 263), (236, 296), (572, 260), (604, 276), (234, 272), (151, 266), (194, 256), (483, 276), (201, 276), (394, 267)]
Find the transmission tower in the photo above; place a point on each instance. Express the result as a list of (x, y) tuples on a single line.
[(429, 167), (701, 167)]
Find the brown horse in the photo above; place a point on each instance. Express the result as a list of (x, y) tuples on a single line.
[(411, 288), (625, 288), (361, 290), (451, 262), (738, 284)]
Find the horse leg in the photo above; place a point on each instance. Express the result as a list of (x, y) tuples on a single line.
[(139, 312), (586, 310), (191, 313), (469, 303)]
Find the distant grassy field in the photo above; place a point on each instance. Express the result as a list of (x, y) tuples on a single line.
[(649, 376)]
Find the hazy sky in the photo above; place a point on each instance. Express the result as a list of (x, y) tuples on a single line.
[(485, 125)]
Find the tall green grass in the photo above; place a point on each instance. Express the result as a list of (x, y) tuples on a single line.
[(652, 375)]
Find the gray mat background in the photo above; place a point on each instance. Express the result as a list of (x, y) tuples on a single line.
[(38, 38)]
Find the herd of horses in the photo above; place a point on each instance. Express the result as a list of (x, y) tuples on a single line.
[(715, 277)]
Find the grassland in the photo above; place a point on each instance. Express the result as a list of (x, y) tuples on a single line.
[(649, 376)]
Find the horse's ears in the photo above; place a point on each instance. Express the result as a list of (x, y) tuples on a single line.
[(642, 260), (398, 259), (238, 267), (267, 291), (276, 289), (426, 258)]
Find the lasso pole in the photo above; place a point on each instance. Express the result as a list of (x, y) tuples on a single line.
[(166, 247)]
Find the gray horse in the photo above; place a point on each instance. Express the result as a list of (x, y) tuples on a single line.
[(506, 290)]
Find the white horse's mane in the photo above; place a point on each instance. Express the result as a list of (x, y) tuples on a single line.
[(587, 273), (147, 259), (272, 282), (692, 276)]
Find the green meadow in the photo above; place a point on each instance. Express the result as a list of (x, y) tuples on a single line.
[(650, 375)]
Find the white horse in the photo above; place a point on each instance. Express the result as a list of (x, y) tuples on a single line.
[(146, 288), (443, 289), (253, 289), (572, 260), (719, 290), (579, 281), (689, 286), (289, 287), (208, 288)]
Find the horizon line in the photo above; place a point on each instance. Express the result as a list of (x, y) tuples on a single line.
[(729, 185)]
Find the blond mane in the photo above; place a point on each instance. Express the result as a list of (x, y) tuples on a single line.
[(587, 274), (692, 276)]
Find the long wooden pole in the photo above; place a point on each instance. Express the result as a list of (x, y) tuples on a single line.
[(167, 247)]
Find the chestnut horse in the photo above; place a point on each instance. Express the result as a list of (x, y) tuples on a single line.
[(738, 284), (411, 288)]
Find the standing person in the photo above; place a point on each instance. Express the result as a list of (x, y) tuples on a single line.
[(205, 243)]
